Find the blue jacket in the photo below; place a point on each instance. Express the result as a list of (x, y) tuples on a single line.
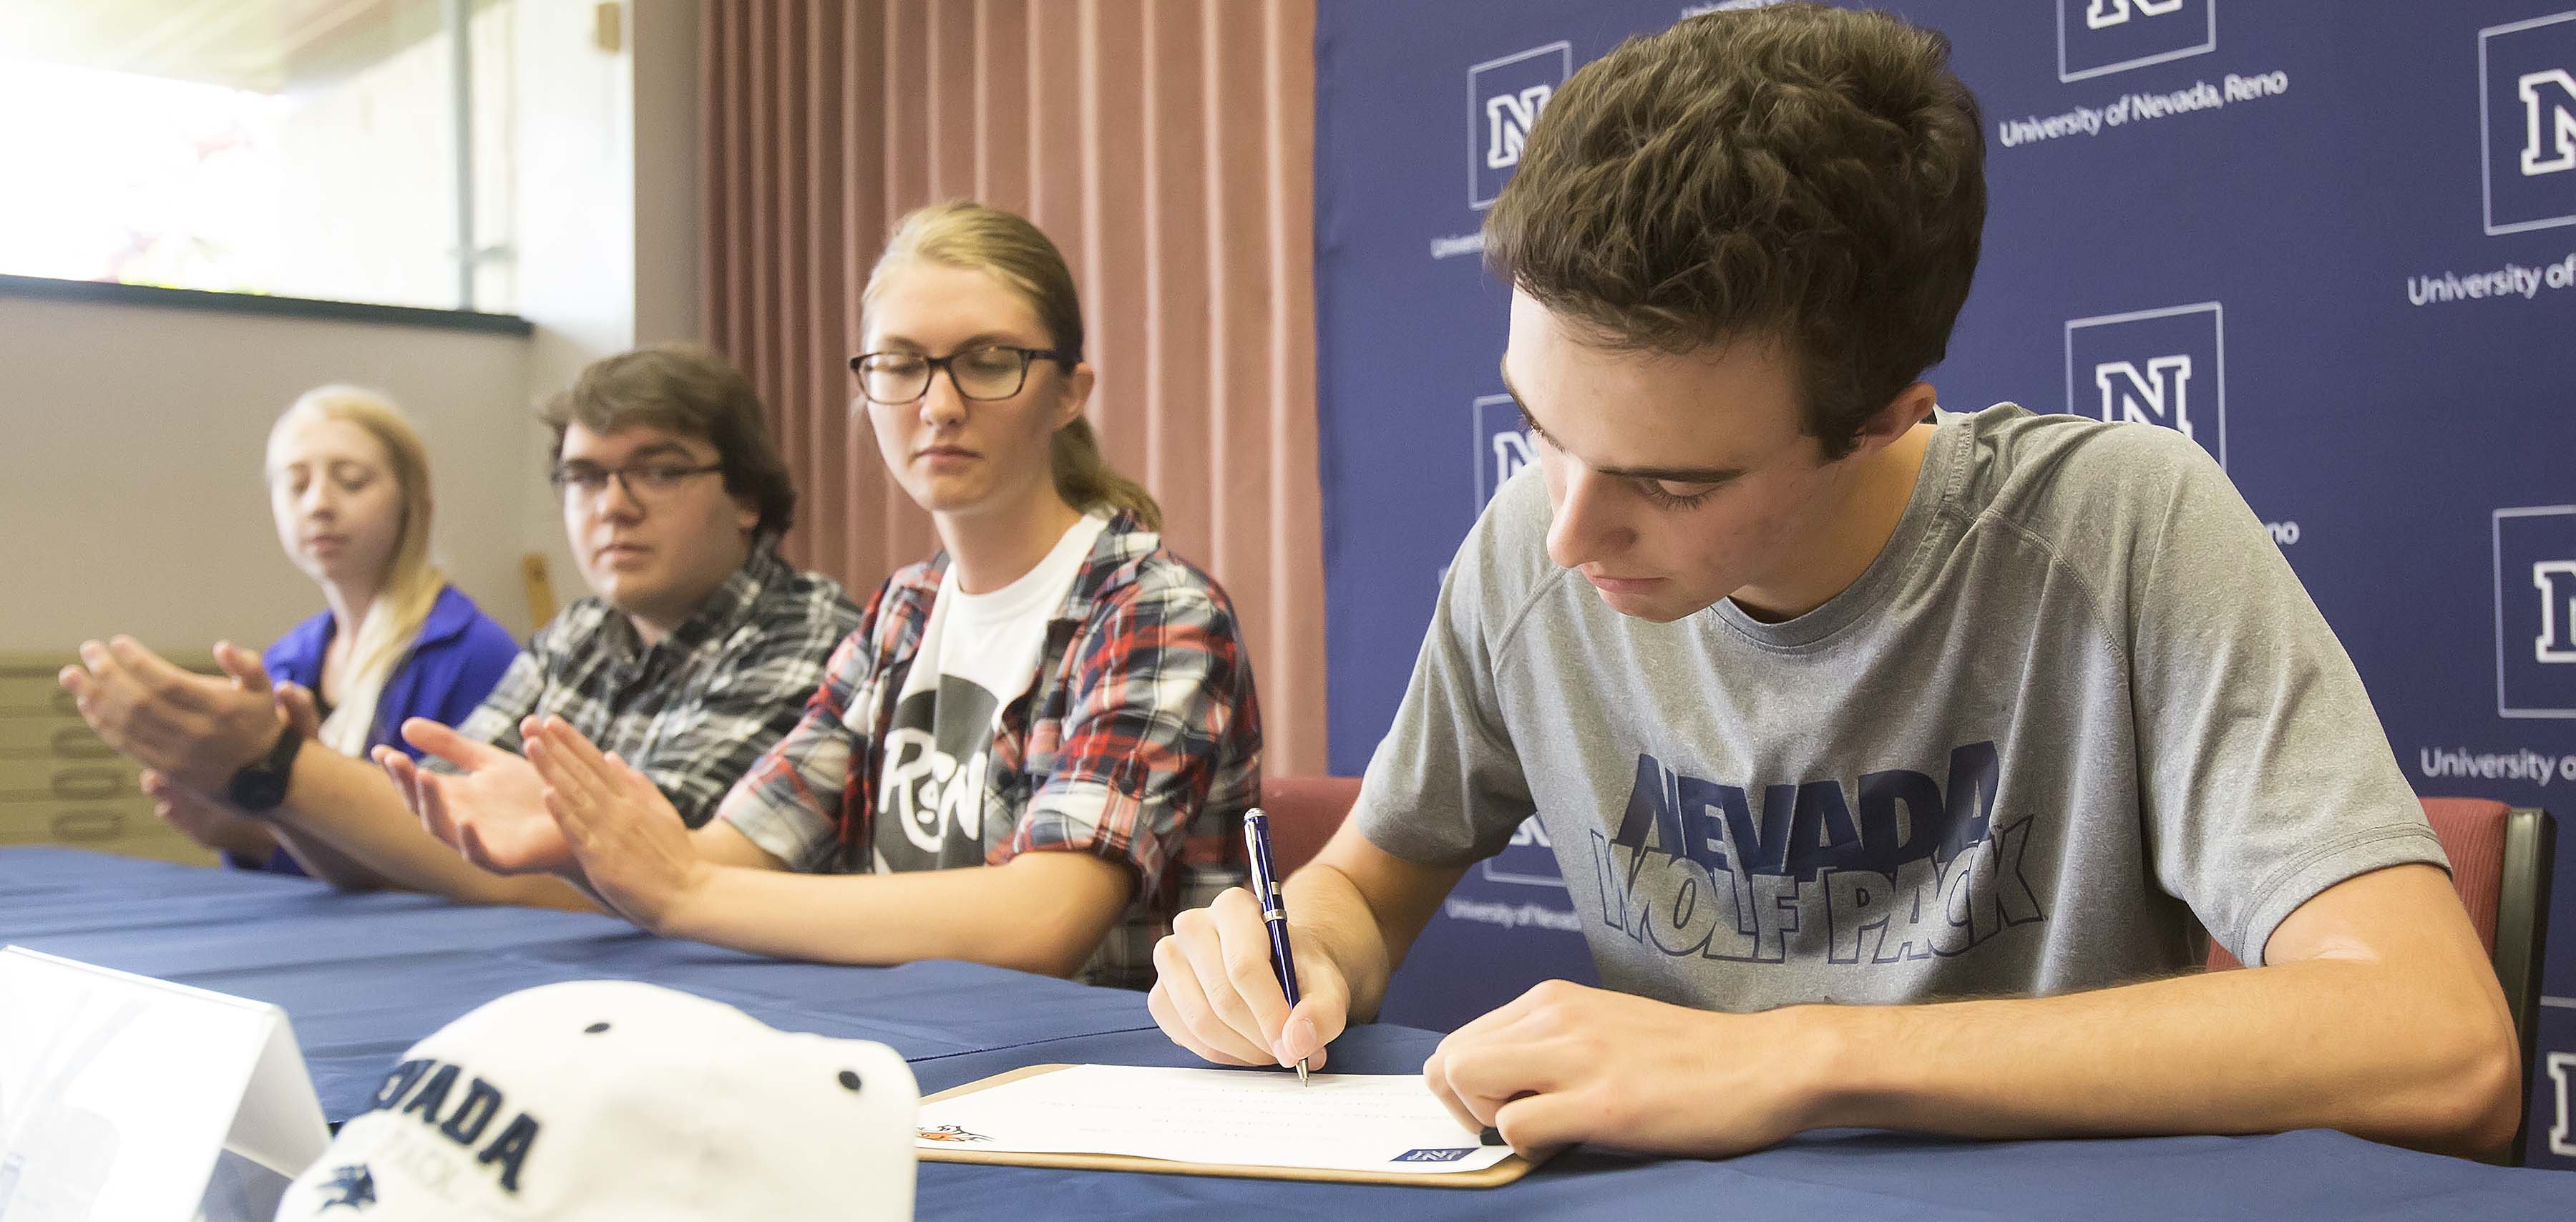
[(460, 654)]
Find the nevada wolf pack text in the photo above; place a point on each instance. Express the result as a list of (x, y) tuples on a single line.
[(1906, 866)]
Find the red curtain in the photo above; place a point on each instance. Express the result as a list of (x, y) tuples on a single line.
[(1166, 147)]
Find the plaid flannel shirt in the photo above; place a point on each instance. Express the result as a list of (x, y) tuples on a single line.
[(1139, 740), (693, 711)]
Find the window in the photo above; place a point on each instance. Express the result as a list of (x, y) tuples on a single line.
[(283, 147)]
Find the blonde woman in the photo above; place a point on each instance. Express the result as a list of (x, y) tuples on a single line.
[(1036, 749), (348, 482)]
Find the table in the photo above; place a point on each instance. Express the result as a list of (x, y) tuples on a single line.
[(363, 976)]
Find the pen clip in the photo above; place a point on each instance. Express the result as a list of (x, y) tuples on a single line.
[(1256, 850)]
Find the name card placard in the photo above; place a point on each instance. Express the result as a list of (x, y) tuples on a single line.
[(119, 1093)]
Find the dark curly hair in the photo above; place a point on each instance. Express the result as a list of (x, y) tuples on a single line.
[(1803, 172)]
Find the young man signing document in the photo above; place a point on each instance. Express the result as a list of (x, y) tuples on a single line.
[(1896, 759)]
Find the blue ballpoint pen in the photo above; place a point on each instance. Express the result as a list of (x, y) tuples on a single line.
[(1274, 909)]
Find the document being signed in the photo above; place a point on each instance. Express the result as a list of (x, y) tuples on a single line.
[(1384, 1123)]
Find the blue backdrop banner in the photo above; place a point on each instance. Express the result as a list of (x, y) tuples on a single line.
[(2333, 244)]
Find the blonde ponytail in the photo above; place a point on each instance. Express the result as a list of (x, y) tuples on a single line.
[(1084, 478)]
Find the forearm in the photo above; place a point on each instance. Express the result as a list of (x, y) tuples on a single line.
[(349, 809), (2354, 1045), (322, 861), (1034, 915), (246, 840)]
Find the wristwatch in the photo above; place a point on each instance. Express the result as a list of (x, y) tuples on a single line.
[(261, 783)]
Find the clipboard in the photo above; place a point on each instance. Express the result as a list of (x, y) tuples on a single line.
[(1504, 1172)]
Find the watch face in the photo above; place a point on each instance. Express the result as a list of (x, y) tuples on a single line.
[(261, 785)]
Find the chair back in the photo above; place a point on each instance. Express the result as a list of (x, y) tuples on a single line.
[(2501, 858), (1304, 812)]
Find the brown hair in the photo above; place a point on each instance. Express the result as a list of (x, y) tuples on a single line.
[(1799, 171), (1008, 248), (691, 390)]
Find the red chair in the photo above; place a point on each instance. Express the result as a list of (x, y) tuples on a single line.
[(1304, 811), (2501, 859)]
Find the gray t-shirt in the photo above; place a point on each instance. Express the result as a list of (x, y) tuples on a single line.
[(2078, 708)]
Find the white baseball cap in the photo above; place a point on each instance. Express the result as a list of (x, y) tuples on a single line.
[(617, 1101)]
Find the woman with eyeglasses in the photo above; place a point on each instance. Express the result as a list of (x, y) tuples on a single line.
[(348, 483), (1037, 747)]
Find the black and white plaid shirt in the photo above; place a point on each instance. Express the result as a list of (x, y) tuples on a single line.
[(693, 711)]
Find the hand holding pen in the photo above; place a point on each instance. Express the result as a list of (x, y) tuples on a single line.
[(1236, 987), (1274, 910)]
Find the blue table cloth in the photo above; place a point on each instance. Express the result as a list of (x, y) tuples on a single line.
[(363, 976)]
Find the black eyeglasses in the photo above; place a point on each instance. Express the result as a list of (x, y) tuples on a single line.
[(644, 483), (984, 372)]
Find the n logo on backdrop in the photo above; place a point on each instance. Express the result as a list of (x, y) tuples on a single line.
[(2162, 395), (2556, 581), (2527, 108), (2165, 367), (2098, 37), (1504, 98), (1500, 446), (2535, 609), (2562, 1137), (1508, 119), (2548, 121), (2102, 14)]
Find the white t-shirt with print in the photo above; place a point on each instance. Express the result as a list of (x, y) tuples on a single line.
[(978, 653)]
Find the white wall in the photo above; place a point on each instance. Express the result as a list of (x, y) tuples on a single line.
[(662, 37), (131, 497), (606, 235), (130, 436)]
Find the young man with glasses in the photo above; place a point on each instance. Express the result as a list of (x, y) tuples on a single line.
[(695, 652), (1037, 747)]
